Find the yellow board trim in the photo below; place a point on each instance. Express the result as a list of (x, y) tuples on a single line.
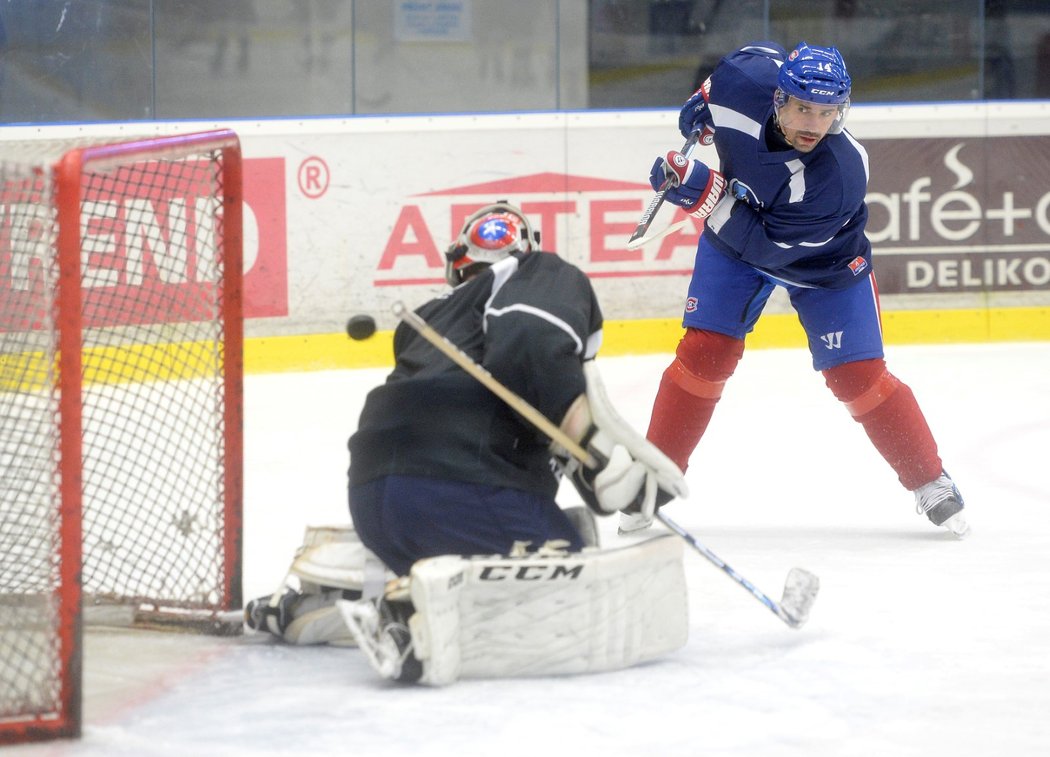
[(136, 363), (317, 352)]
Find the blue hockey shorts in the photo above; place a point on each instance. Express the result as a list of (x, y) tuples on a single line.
[(727, 296), (406, 518)]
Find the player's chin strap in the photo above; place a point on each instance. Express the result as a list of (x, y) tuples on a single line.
[(800, 590)]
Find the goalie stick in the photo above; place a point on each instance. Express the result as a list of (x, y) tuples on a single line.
[(464, 361), (650, 212), (801, 586)]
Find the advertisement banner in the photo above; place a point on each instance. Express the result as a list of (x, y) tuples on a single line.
[(949, 216), (351, 215)]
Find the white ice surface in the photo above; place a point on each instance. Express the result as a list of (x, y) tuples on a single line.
[(919, 644)]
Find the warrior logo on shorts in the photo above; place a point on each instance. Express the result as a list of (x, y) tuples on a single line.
[(832, 340)]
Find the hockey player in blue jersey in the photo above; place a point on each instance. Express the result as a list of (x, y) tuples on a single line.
[(786, 208)]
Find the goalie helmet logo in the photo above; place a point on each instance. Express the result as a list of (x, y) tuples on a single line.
[(496, 232), (491, 234)]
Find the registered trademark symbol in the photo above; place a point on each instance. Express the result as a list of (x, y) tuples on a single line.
[(313, 177)]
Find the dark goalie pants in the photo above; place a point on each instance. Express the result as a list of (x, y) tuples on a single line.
[(403, 519)]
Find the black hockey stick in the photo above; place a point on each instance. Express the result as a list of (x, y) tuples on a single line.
[(649, 213), (800, 589)]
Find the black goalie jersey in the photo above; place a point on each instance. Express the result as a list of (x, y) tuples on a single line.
[(530, 320)]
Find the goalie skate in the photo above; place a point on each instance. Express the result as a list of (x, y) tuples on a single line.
[(380, 629), (331, 565), (270, 613)]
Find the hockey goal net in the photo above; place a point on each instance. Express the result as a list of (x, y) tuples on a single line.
[(120, 402)]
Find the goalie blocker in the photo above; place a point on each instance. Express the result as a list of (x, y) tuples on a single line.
[(545, 613)]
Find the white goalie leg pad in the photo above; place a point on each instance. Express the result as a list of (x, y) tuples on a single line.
[(317, 620), (572, 613), (333, 556), (330, 565)]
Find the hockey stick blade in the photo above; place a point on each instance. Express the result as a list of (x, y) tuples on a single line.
[(800, 590), (634, 244)]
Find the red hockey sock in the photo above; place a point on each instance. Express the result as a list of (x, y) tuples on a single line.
[(891, 417), (689, 390)]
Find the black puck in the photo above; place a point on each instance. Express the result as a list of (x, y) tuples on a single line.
[(360, 327)]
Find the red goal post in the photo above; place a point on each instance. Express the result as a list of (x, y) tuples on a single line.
[(121, 366)]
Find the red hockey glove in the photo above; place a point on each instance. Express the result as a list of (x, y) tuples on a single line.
[(694, 186)]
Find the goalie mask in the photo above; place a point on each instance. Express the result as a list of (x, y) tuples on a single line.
[(814, 74), (488, 236)]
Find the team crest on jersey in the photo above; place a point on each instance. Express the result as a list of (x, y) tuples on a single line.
[(690, 304), (858, 265)]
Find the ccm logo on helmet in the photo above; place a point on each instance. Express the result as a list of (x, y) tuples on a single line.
[(816, 91)]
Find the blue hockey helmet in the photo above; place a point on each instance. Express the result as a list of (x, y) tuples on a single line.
[(817, 75)]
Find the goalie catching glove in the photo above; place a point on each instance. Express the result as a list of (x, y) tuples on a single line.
[(630, 470)]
